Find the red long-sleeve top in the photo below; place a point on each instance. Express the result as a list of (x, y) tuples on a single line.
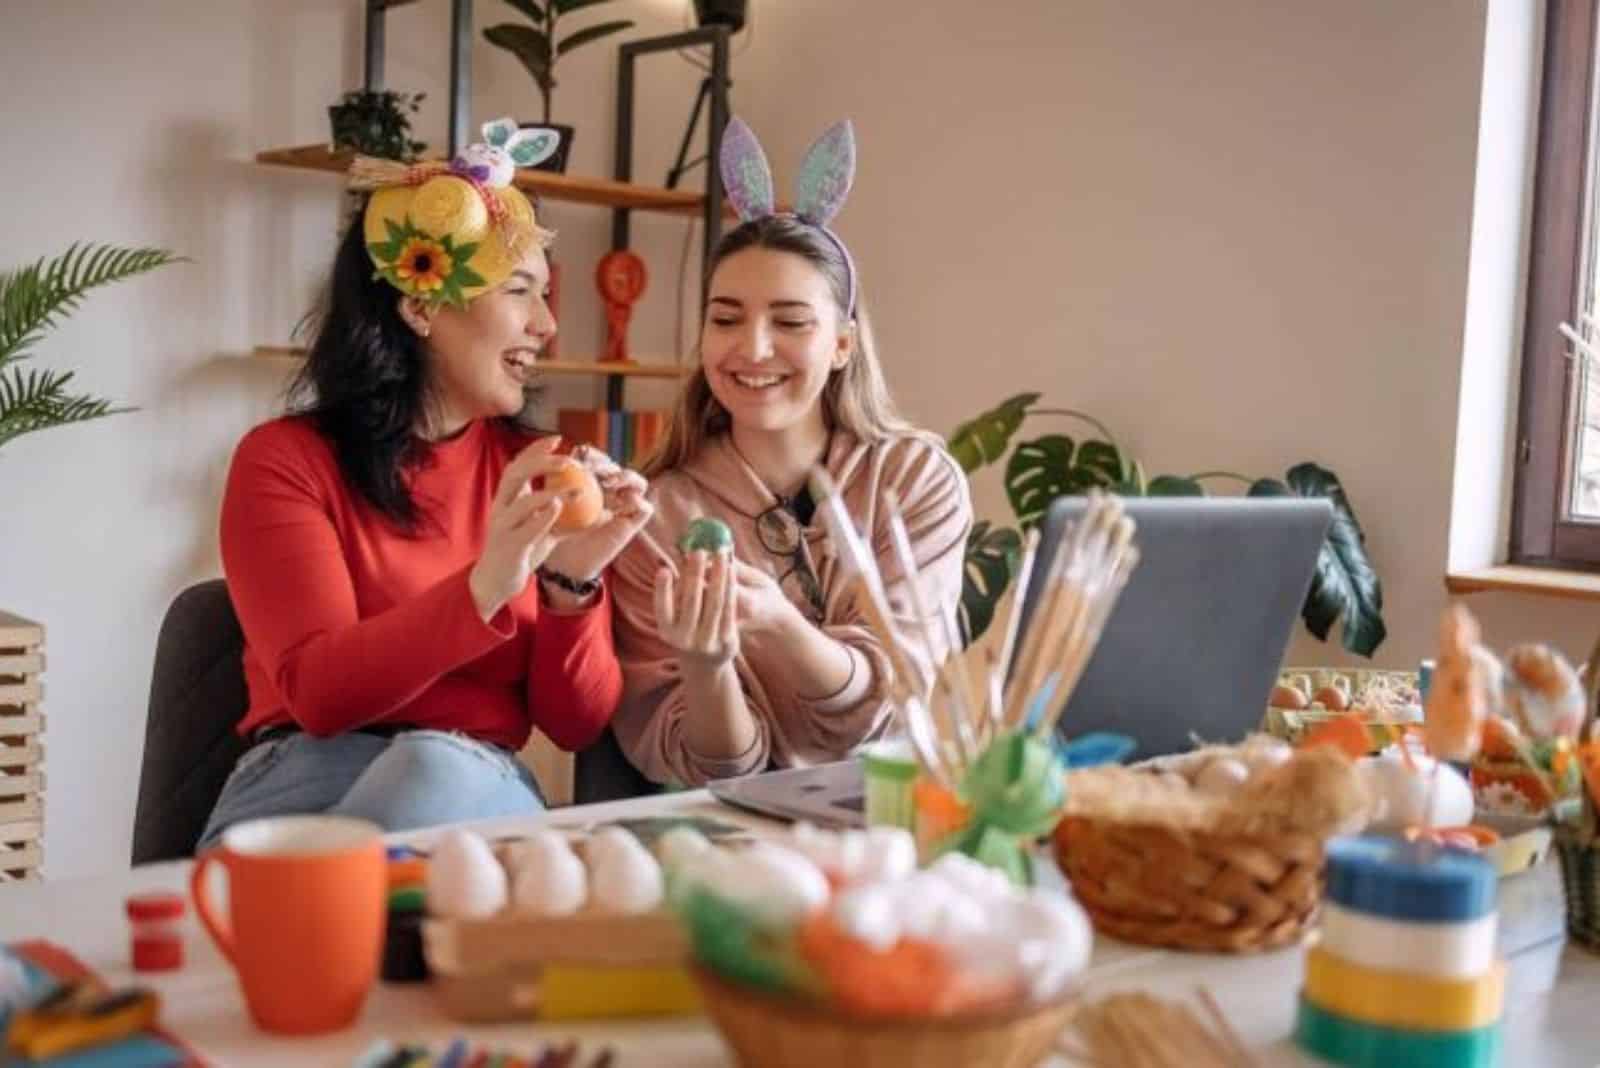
[(349, 622)]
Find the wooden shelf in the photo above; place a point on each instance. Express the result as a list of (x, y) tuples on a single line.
[(1538, 581), (604, 192), (631, 369)]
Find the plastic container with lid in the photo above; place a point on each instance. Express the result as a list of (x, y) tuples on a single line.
[(156, 920)]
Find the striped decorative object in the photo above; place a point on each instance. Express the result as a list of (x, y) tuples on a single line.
[(1580, 871), (21, 748), (1404, 970)]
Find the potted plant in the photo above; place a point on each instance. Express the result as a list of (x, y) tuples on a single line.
[(376, 123), (1344, 589), (539, 48), (33, 300)]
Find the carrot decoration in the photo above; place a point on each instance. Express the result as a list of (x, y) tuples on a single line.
[(1346, 733), (913, 977)]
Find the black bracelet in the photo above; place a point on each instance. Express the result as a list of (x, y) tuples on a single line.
[(585, 588)]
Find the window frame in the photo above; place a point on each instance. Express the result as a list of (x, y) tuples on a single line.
[(1541, 533)]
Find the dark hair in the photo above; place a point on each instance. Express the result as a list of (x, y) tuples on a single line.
[(365, 381)]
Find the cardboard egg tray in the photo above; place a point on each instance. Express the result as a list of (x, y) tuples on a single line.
[(1290, 724), (590, 964)]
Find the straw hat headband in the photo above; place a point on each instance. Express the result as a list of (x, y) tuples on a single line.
[(446, 232)]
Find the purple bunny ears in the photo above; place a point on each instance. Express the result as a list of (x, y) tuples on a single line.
[(826, 172)]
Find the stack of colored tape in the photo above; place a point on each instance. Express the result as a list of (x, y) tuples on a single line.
[(1404, 969), (403, 960)]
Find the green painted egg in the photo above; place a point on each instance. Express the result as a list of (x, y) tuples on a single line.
[(708, 535)]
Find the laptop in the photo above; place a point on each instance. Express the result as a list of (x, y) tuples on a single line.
[(1197, 638), (1191, 650)]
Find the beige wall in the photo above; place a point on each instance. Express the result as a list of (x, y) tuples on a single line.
[(1237, 231)]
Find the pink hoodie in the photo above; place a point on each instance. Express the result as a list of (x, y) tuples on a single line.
[(930, 490)]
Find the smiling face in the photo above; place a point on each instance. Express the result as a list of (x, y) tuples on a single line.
[(481, 357), (772, 336)]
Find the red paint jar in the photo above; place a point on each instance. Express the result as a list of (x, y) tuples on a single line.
[(157, 932)]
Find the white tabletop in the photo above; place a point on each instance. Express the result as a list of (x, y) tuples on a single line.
[(1552, 1018)]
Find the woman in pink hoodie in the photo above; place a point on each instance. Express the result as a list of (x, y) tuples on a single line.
[(735, 662)]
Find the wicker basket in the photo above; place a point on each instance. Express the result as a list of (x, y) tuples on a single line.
[(771, 1031), (1190, 889), (1580, 872)]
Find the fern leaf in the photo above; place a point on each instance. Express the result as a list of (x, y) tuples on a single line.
[(36, 297), (39, 400)]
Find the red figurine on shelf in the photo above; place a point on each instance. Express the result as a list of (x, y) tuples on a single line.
[(621, 277)]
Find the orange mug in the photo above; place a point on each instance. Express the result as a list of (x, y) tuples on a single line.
[(306, 907)]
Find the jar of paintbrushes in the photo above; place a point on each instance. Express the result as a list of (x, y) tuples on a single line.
[(988, 783)]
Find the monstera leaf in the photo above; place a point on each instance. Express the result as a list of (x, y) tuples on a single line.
[(1053, 466), (1101, 463), (992, 557), (1345, 587), (1174, 486), (984, 439)]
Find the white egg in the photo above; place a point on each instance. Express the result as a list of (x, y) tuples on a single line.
[(971, 876), (536, 847), (819, 846), (852, 856), (891, 854), (608, 841), (1054, 941), (871, 914), (706, 869), (680, 843), (465, 881), (775, 881), (625, 879), (547, 878), (1401, 795), (1221, 777), (945, 913)]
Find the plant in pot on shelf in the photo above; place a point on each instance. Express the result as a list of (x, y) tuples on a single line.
[(540, 47), (376, 123), (1344, 589), (373, 122)]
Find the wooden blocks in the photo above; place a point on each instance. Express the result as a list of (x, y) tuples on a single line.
[(21, 748)]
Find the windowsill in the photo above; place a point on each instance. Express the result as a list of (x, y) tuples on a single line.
[(1517, 578)]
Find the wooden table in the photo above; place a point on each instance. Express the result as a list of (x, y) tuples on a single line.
[(1546, 1026)]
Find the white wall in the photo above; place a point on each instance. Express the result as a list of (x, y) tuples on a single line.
[(1496, 284), (138, 124), (1237, 231)]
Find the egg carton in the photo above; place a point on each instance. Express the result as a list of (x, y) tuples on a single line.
[(1291, 724), (586, 965), (613, 956)]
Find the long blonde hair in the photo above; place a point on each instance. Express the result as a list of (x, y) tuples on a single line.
[(856, 397)]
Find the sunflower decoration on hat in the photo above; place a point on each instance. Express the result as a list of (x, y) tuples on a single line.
[(446, 232)]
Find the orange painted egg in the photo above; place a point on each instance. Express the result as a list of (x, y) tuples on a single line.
[(583, 510)]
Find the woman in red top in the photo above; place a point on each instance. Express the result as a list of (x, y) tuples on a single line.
[(410, 613)]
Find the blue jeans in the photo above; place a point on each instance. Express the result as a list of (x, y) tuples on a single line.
[(414, 779)]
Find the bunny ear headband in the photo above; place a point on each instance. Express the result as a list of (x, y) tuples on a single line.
[(446, 232), (826, 171)]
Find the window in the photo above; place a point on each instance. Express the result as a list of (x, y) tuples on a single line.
[(1556, 504)]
